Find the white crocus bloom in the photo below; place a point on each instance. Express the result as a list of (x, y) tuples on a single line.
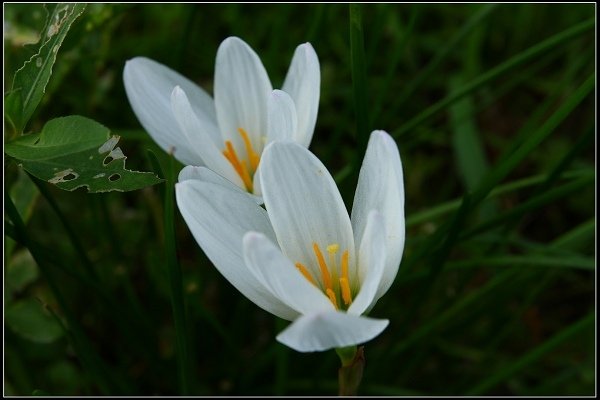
[(306, 260), (226, 134)]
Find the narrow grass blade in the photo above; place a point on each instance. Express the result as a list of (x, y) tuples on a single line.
[(176, 284), (532, 261), (90, 359), (531, 357), (396, 55), (444, 52), (359, 77), (87, 263), (455, 309), (506, 165), (529, 206), (494, 73)]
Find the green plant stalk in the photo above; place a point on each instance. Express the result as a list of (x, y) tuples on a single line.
[(116, 311), (506, 372), (467, 301), (499, 172), (393, 64), (351, 372), (531, 261), (466, 29), (513, 62), (175, 282), (575, 238), (89, 266), (444, 208), (532, 204), (506, 165), (359, 80), (91, 361)]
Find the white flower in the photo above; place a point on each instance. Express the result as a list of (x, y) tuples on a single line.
[(228, 134), (306, 260)]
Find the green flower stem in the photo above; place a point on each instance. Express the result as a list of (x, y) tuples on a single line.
[(73, 237), (359, 86), (351, 372), (175, 281), (90, 359)]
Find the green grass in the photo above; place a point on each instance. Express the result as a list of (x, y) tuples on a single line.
[(492, 108)]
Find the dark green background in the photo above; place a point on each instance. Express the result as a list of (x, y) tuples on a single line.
[(496, 301)]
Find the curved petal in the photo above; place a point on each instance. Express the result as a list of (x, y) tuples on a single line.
[(282, 121), (218, 219), (195, 131), (371, 263), (207, 175), (279, 275), (381, 187), (303, 83), (323, 331), (242, 89), (148, 85), (304, 204)]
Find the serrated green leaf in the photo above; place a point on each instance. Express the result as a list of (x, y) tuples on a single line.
[(31, 79), (28, 319), (74, 151)]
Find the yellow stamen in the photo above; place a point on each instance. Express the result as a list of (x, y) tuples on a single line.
[(331, 296), (323, 267), (344, 283), (239, 167), (332, 249), (306, 274), (346, 295), (253, 157), (345, 265)]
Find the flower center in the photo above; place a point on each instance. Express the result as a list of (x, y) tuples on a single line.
[(245, 168), (336, 289)]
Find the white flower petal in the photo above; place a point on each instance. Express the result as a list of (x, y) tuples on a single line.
[(323, 331), (148, 85), (381, 187), (279, 274), (282, 122), (371, 263), (207, 175), (218, 218), (304, 204), (196, 133), (303, 83), (241, 89)]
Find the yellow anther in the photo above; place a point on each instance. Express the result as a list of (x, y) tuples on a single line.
[(346, 295), (253, 157), (306, 274), (333, 248), (331, 296), (345, 265), (239, 167), (323, 267)]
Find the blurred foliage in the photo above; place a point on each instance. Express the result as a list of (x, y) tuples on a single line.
[(477, 308)]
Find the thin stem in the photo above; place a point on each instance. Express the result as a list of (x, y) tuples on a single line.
[(359, 81), (175, 281), (89, 267), (351, 373)]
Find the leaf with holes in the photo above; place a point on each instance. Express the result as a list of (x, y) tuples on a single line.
[(75, 151), (30, 81)]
